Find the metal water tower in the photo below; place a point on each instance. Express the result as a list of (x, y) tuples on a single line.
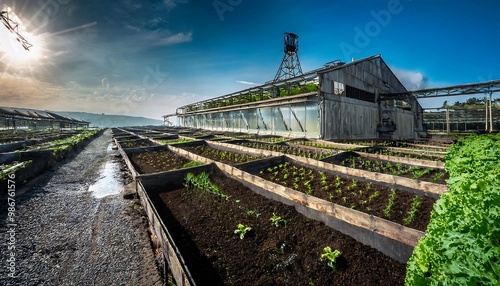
[(290, 65)]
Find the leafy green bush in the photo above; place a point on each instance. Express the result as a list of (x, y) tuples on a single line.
[(462, 241)]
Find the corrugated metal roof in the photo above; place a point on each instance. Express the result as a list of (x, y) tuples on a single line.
[(35, 114)]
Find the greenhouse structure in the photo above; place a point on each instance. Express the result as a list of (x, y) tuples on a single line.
[(337, 101), (23, 118)]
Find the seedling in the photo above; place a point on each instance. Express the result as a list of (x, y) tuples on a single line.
[(437, 177), (338, 181), (309, 189), (373, 196), (330, 257), (390, 203), (253, 212), (192, 164), (277, 220), (354, 183), (242, 230), (413, 211)]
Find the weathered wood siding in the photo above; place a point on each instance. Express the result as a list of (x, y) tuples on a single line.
[(347, 118), (372, 75)]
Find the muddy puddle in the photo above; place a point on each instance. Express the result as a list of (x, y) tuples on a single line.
[(109, 180)]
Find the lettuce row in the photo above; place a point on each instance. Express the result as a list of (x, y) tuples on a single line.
[(462, 241)]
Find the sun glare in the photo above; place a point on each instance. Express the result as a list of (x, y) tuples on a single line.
[(12, 52)]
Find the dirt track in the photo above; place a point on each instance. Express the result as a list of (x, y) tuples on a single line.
[(66, 236)]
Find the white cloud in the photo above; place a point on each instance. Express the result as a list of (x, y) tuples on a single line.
[(412, 80), (174, 39), (247, 82)]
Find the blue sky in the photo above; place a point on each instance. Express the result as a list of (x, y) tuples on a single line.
[(148, 57)]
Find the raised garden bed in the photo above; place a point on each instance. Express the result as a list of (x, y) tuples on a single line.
[(384, 202), (354, 160), (172, 141), (203, 226), (390, 151), (326, 145), (117, 132), (220, 155), (28, 164), (159, 161), (135, 143), (285, 149)]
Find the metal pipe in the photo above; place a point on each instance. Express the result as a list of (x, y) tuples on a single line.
[(447, 120), (491, 113), (486, 110)]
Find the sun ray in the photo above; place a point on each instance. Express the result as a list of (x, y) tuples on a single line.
[(73, 29)]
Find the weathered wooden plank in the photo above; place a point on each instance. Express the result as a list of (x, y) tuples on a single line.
[(177, 267)]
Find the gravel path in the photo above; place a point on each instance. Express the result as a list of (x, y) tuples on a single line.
[(66, 236)]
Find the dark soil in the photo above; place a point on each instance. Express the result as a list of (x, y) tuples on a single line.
[(350, 193), (353, 160), (136, 143), (203, 227), (158, 161), (223, 156)]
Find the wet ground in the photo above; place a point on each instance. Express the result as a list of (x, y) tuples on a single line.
[(74, 228)]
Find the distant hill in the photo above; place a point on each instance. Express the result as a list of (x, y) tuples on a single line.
[(102, 120)]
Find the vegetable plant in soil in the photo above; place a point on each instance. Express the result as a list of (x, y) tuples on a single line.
[(368, 197), (204, 227), (462, 243), (159, 161), (285, 149), (135, 144), (172, 141), (397, 169), (221, 155), (381, 151)]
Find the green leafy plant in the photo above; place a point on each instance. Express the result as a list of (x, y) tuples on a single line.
[(202, 183), (308, 186), (390, 204), (437, 177), (373, 196), (253, 212), (413, 210), (277, 220), (330, 257), (242, 230), (192, 164), (462, 241)]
